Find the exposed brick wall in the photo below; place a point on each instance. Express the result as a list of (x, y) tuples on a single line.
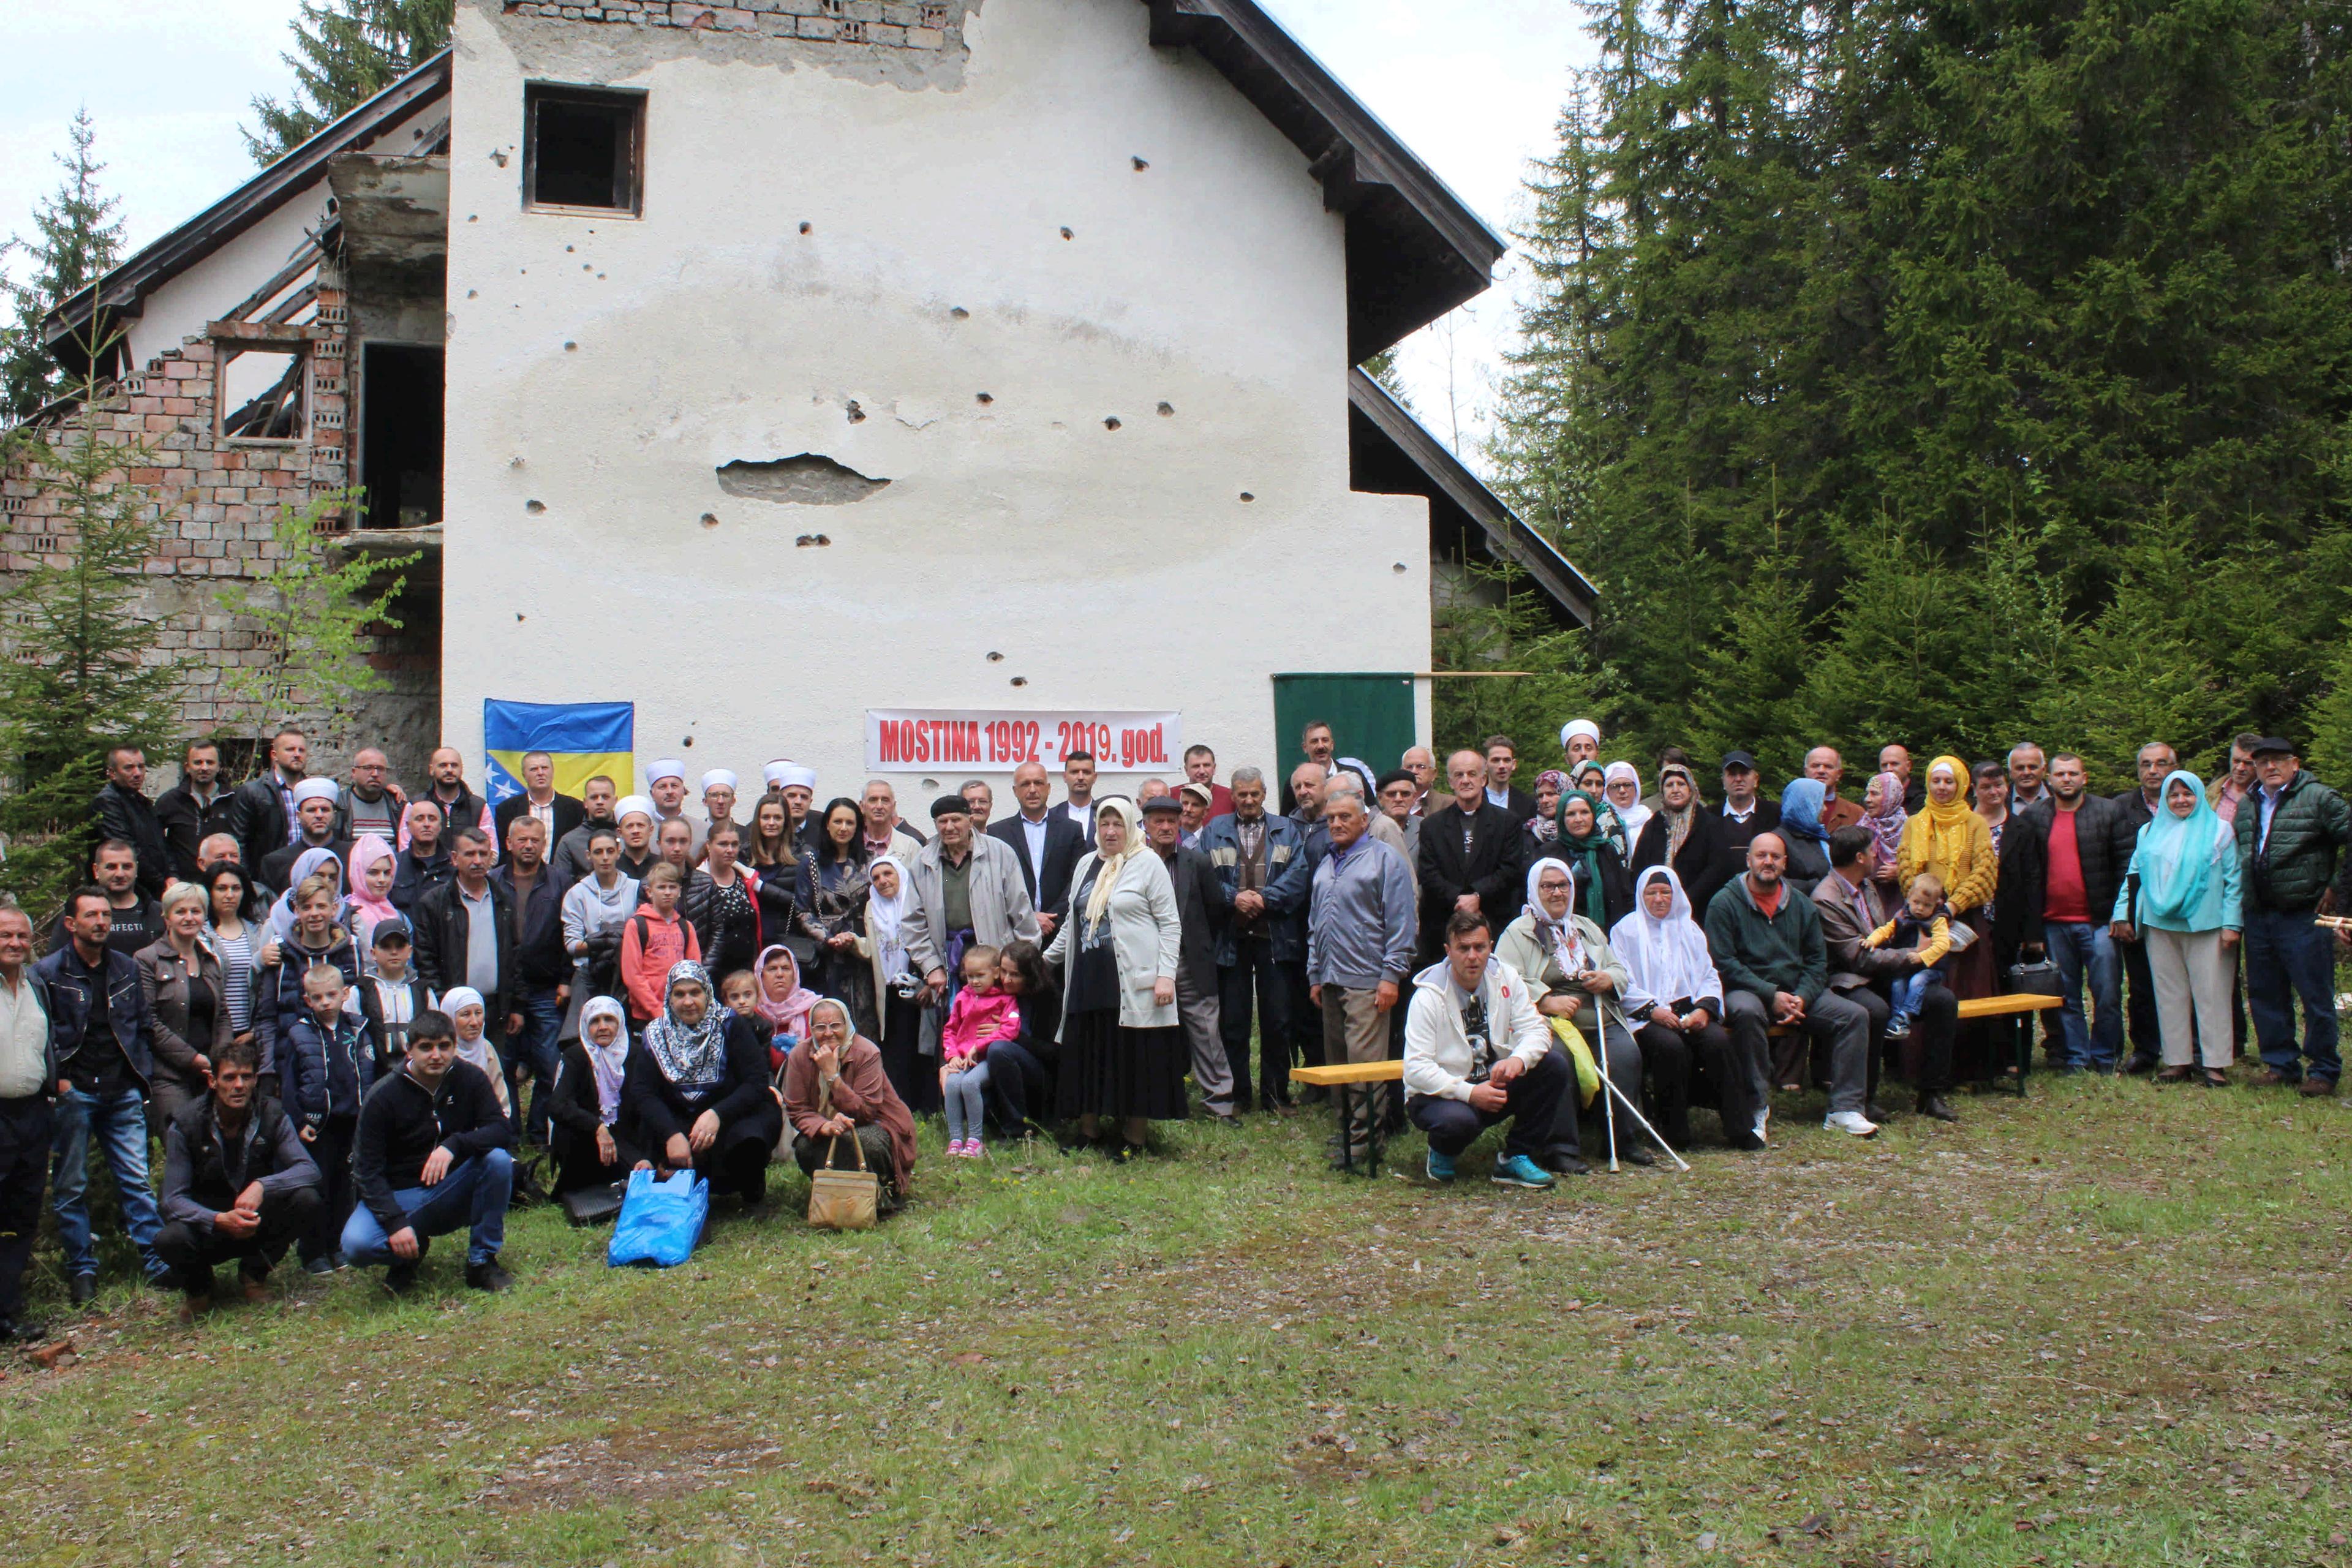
[(881, 24), (218, 500)]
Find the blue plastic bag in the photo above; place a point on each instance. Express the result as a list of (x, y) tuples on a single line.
[(660, 1220)]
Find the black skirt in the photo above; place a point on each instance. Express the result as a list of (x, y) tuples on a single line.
[(1108, 1070)]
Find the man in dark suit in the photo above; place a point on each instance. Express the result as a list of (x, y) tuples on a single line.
[(1046, 843), (562, 813), (1501, 760), (123, 812), (1201, 903), (1469, 855), (1851, 905), (1737, 821)]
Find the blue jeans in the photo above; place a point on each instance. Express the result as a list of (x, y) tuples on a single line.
[(534, 1052), (2077, 949), (965, 1103), (473, 1194), (120, 1122), (1906, 990), (2289, 957)]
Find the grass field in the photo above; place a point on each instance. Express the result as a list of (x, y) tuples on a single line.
[(2105, 1325)]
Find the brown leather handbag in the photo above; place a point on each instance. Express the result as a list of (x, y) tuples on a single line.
[(842, 1200)]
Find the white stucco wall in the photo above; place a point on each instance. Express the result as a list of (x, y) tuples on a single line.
[(178, 309), (603, 368)]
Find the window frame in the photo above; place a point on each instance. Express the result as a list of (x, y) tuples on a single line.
[(302, 349), (631, 100)]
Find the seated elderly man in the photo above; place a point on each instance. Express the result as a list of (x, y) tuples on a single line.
[(1767, 940), (835, 1088), (1477, 1052)]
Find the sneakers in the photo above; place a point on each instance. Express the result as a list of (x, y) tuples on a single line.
[(968, 1149), (1900, 1029), (1763, 1129), (1852, 1121), (1440, 1167), (318, 1268), (1518, 1171)]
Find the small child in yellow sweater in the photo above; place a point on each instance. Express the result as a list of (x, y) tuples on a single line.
[(1925, 923)]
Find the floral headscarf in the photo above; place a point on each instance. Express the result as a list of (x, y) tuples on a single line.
[(690, 1058), (1547, 828)]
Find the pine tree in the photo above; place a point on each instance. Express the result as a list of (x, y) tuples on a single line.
[(314, 613), (1501, 623), (81, 674), (345, 52), (76, 239)]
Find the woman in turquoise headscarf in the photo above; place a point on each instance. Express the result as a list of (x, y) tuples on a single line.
[(1604, 888), (1800, 829), (2181, 897)]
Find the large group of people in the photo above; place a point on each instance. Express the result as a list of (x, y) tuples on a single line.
[(354, 1016)]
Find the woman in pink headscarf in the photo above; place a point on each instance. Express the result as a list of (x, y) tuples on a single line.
[(784, 1002), (1882, 813), (374, 864)]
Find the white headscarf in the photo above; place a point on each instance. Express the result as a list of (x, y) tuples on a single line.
[(607, 1062), (1632, 817), (1558, 938), (883, 918), (1107, 875), (281, 913), (1666, 959), (478, 1052)]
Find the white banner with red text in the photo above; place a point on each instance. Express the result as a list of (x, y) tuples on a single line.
[(999, 740)]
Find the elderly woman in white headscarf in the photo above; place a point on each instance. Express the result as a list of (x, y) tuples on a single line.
[(1675, 1002), (1122, 1050), (695, 1095), (1571, 973), (585, 1115), (896, 1025), (1621, 787)]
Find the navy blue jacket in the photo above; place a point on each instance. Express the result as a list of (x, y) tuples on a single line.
[(319, 1078), (1287, 884), (67, 987)]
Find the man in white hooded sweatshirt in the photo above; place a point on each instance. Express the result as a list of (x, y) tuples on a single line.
[(1475, 1051)]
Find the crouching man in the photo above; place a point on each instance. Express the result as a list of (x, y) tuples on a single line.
[(432, 1152), (1476, 1051), (237, 1184)]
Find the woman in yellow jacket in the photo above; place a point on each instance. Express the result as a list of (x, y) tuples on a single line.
[(1948, 837)]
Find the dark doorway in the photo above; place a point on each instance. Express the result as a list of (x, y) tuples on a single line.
[(400, 435)]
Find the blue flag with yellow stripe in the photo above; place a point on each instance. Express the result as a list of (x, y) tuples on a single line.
[(584, 738)]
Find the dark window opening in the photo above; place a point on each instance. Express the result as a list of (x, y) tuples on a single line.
[(400, 435), (584, 148)]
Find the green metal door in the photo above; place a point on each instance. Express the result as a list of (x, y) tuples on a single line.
[(1370, 716)]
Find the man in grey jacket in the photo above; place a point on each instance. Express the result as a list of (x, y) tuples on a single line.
[(1359, 932), (967, 889)]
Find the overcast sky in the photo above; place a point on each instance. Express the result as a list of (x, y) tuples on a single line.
[(1473, 86)]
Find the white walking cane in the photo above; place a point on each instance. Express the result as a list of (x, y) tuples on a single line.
[(1632, 1110)]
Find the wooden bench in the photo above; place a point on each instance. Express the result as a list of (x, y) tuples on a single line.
[(2018, 1004), (1343, 1079)]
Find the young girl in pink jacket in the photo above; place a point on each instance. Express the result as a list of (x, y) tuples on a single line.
[(982, 1012)]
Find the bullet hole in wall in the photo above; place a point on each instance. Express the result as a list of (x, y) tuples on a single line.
[(1399, 568), (1141, 165), (687, 741), (960, 314), (471, 292), (806, 228), (498, 157), (808, 540), (1166, 411), (996, 659), (984, 398), (567, 250), (572, 348), (517, 615), (1111, 423), (534, 507), (1247, 497), (1068, 233), (857, 415), (1020, 681), (710, 519)]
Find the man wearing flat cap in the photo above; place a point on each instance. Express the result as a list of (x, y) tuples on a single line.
[(2291, 839), (967, 889)]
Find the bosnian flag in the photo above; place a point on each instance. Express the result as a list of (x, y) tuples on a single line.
[(584, 738)]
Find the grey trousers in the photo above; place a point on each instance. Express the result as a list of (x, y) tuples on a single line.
[(1212, 1071), (1844, 1026)]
